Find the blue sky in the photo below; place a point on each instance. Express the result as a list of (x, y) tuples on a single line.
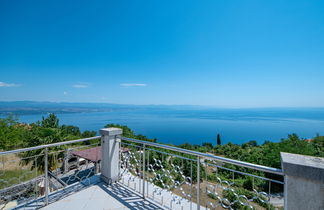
[(219, 53)]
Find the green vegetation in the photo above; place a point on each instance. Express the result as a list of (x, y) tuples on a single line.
[(10, 177), (14, 135), (268, 154), (11, 133), (129, 133)]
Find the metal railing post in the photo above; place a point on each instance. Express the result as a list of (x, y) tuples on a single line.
[(46, 176), (143, 171), (198, 183)]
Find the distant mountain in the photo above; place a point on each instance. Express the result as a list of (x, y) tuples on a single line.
[(35, 107)]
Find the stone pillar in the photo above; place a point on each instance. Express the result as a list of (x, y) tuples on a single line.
[(304, 181), (110, 143)]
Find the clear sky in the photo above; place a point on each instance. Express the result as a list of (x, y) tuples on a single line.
[(220, 52)]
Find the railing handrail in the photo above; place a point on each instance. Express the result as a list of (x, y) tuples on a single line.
[(210, 156), (48, 145), (163, 146)]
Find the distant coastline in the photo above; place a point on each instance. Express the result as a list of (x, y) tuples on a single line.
[(36, 107)]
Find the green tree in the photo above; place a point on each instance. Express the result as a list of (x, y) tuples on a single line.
[(318, 143), (45, 132), (208, 145), (40, 136), (218, 139), (250, 144), (127, 132), (11, 133), (50, 122), (71, 130), (87, 134)]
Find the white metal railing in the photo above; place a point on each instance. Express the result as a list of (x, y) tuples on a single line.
[(35, 176), (194, 179), (171, 176)]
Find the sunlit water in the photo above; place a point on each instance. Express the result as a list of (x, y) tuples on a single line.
[(197, 126)]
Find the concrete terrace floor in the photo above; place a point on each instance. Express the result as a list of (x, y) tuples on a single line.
[(102, 196), (94, 194)]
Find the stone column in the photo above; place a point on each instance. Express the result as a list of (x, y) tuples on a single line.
[(304, 181), (110, 143)]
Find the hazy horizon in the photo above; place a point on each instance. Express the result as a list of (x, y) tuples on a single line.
[(189, 105)]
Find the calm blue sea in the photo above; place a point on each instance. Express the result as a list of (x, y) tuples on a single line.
[(202, 125)]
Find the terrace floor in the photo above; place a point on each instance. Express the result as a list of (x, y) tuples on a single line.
[(95, 194), (92, 193), (102, 196)]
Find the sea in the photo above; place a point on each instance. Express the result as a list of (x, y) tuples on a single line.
[(196, 126)]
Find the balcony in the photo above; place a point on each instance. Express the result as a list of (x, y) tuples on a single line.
[(114, 172)]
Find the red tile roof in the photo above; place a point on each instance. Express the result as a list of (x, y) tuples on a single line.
[(92, 154)]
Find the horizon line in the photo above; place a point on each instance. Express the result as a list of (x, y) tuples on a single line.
[(195, 105)]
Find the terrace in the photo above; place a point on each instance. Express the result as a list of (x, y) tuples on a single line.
[(114, 172)]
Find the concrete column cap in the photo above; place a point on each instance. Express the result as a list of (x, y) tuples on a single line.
[(307, 167), (111, 131)]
